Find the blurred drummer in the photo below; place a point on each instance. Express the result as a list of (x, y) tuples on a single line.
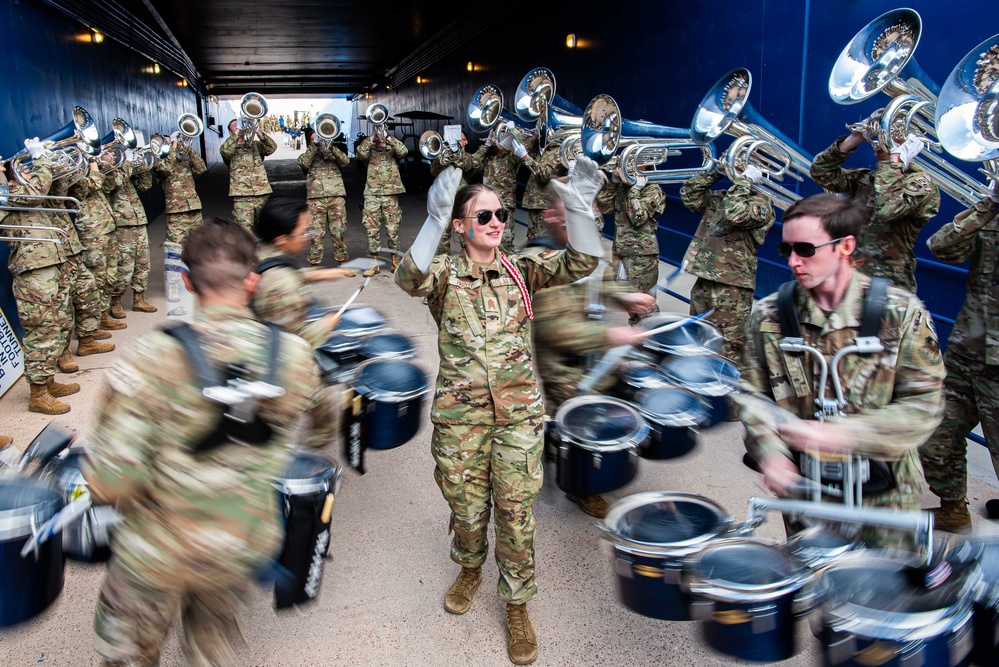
[(892, 398), (200, 515), (487, 411), (565, 336)]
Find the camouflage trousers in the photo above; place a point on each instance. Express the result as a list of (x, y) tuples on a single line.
[(971, 395), (483, 465), (642, 272), (379, 209), (245, 209), (506, 245), (41, 307), (732, 308), (536, 224), (179, 225), (444, 247), (84, 296), (331, 213), (100, 255), (133, 263)]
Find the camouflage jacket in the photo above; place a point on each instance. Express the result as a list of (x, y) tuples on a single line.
[(500, 174), (176, 174), (635, 211), (899, 203), (486, 371), (281, 298), (383, 166), (893, 399), (96, 217), (974, 235), (323, 171), (72, 245), (28, 255), (247, 175), (545, 169), (733, 226), (469, 163), (181, 504), (125, 202)]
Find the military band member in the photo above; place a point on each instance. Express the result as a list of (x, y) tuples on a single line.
[(893, 397), (248, 184), (468, 163), (199, 520), (382, 154), (176, 174), (500, 165), (546, 167), (899, 197), (133, 239), (722, 254), (971, 390), (321, 163)]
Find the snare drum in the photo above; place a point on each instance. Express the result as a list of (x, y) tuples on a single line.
[(653, 533), (361, 321), (597, 439), (389, 395), (307, 490), (88, 538), (338, 357), (387, 346), (985, 621), (636, 377), (817, 546), (695, 338), (674, 415), (710, 377), (27, 585)]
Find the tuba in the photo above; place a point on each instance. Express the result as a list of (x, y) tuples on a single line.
[(485, 113), (253, 107), (114, 145), (726, 110), (627, 147), (879, 58), (70, 149), (378, 115), (557, 119), (967, 110)]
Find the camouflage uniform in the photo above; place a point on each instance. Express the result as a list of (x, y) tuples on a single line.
[(80, 286), (382, 190), (183, 206), (971, 391), (722, 254), (95, 223), (546, 167), (469, 163), (131, 221), (38, 268), (326, 200), (488, 431), (500, 174), (899, 202), (635, 243), (248, 185), (893, 398), (197, 527)]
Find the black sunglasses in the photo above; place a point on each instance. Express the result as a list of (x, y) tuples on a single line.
[(802, 249), (484, 217)]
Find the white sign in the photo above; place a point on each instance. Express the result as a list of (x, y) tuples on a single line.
[(11, 356), (452, 135)]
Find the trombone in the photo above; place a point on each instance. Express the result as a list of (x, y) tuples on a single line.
[(69, 149), (253, 107)]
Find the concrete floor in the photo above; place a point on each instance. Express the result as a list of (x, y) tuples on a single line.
[(382, 594)]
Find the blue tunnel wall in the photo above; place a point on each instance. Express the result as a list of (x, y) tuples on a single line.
[(658, 59)]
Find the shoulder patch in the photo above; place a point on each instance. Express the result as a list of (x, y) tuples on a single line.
[(548, 254), (930, 351)]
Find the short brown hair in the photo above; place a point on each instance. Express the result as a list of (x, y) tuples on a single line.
[(840, 215), (219, 254)]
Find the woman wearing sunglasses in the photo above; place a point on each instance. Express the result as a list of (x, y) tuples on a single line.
[(487, 411)]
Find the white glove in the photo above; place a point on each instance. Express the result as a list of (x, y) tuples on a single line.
[(489, 141), (518, 149), (868, 126), (585, 181), (35, 148), (507, 141), (440, 201), (641, 181), (175, 137), (129, 155), (753, 173), (908, 150)]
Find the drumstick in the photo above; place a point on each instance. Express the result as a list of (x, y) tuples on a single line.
[(673, 325), (353, 296)]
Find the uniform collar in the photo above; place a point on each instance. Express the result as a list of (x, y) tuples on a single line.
[(213, 314), (268, 250), (465, 267), (847, 314)]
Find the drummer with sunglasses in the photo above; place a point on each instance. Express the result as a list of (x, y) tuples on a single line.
[(487, 410), (893, 397)]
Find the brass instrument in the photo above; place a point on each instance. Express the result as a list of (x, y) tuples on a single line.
[(145, 157), (253, 107), (726, 110), (5, 205), (485, 113), (327, 129), (189, 126), (114, 145), (431, 145), (536, 102), (69, 149), (879, 58), (378, 115)]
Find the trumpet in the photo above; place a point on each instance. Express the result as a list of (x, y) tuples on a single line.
[(70, 149), (253, 107), (114, 145)]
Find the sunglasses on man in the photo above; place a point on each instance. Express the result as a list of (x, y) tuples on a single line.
[(484, 217), (802, 248)]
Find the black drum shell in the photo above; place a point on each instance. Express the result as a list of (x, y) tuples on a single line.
[(389, 417), (841, 649), (689, 373), (338, 357), (984, 549), (674, 432), (651, 585), (28, 585), (584, 472), (985, 626)]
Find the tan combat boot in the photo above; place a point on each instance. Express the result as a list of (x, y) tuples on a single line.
[(952, 515), (42, 401), (140, 305), (66, 363), (60, 390), (522, 644), (593, 505), (459, 597), (395, 262), (372, 270), (110, 324), (5, 440), (117, 311), (101, 334), (87, 346)]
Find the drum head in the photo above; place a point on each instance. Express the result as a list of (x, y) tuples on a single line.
[(338, 342), (390, 379), (308, 473), (662, 519), (672, 407), (692, 338), (984, 551), (387, 345), (22, 499), (360, 321), (600, 423), (704, 374), (817, 545), (747, 565), (645, 377)]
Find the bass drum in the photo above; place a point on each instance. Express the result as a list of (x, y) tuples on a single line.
[(88, 539), (652, 534), (597, 439), (27, 585)]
